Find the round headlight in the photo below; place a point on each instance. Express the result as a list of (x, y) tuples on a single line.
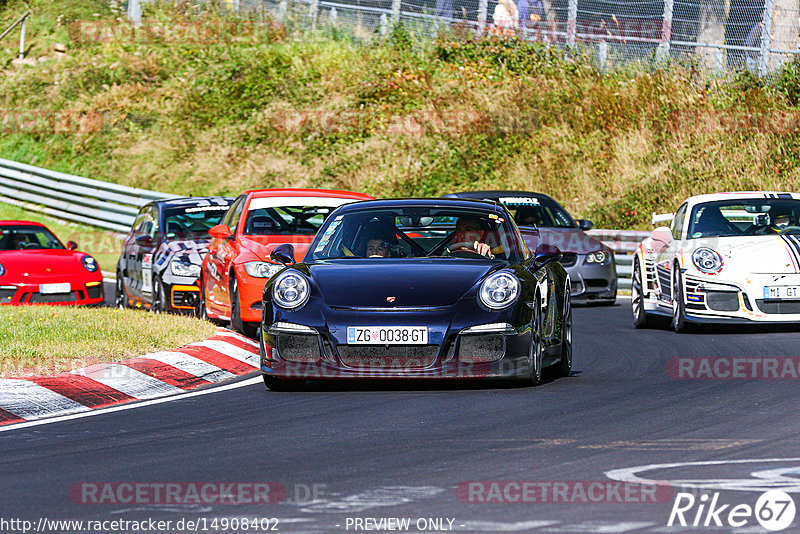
[(291, 290), (707, 260), (90, 263), (596, 257), (499, 290)]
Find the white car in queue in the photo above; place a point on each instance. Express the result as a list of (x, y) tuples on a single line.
[(726, 257)]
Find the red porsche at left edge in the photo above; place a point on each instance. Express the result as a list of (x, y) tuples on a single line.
[(36, 268)]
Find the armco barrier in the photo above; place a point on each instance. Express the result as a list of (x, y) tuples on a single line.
[(113, 206), (73, 198)]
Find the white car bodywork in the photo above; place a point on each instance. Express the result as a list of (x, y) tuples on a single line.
[(757, 279)]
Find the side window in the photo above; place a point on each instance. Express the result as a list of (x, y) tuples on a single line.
[(153, 216), (234, 213), (677, 222), (137, 222)]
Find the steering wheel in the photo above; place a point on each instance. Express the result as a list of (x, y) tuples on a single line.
[(27, 244), (789, 229), (464, 247)]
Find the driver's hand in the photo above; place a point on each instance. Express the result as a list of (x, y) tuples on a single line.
[(482, 248)]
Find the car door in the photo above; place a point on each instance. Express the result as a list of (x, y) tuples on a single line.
[(665, 254), (221, 253), (142, 255), (125, 265)]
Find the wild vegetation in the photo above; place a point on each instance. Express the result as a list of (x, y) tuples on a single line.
[(198, 102)]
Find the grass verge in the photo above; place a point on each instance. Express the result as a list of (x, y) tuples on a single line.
[(43, 340)]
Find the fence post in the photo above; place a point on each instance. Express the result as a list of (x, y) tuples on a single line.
[(482, 8), (666, 32), (135, 12), (282, 7), (766, 38), (602, 53), (313, 8), (22, 39), (383, 25), (395, 12), (572, 22), (333, 16)]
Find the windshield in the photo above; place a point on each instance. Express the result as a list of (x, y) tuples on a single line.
[(415, 232), (541, 211), (289, 216), (749, 217), (191, 222), (19, 237)]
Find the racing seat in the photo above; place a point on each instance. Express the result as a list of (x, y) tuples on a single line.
[(712, 222), (174, 228), (260, 225)]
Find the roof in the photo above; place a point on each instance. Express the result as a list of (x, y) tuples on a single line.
[(697, 199), (194, 201), (423, 202), (303, 192), (21, 223), (496, 194)]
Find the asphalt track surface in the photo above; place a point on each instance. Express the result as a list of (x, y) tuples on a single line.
[(397, 449)]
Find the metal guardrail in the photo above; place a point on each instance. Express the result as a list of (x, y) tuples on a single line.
[(20, 21), (73, 198)]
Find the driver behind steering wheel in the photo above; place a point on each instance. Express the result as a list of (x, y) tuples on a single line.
[(781, 221), (470, 236)]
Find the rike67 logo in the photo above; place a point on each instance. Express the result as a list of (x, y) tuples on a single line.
[(774, 510)]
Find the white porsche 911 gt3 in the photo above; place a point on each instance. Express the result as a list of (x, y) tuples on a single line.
[(727, 257)]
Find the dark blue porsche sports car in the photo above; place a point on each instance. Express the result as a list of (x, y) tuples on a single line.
[(416, 288)]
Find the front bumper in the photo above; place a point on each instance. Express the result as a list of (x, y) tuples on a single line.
[(316, 350), (80, 293), (592, 282), (723, 301)]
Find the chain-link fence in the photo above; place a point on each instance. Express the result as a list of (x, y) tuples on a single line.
[(718, 35)]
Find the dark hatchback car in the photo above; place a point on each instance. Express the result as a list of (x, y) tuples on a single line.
[(590, 263), (416, 288), (159, 267)]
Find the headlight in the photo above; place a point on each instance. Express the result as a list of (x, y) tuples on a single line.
[(601, 256), (2, 270), (707, 260), (90, 263), (291, 290), (499, 290), (262, 269), (180, 268)]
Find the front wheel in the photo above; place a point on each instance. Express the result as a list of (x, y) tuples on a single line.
[(236, 313), (158, 305), (640, 318), (120, 298), (678, 302), (564, 365), (535, 352)]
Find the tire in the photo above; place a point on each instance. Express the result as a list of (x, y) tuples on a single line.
[(201, 311), (564, 365), (120, 298), (282, 384), (679, 323), (236, 313), (640, 317), (535, 352), (158, 305)]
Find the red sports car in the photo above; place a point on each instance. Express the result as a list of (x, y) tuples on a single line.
[(36, 268), (238, 262)]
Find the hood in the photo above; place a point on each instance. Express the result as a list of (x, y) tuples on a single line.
[(772, 254), (262, 246), (570, 240), (423, 282), (41, 263)]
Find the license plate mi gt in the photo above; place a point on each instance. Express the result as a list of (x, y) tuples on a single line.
[(51, 289), (782, 292), (387, 335)]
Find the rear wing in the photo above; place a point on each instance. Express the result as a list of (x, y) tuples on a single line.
[(661, 218)]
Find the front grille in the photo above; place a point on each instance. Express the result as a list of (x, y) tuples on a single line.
[(95, 292), (595, 282), (298, 348), (39, 298), (723, 300), (778, 306), (398, 357), (7, 295), (481, 348), (568, 259)]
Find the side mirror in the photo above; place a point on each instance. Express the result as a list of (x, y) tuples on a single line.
[(220, 231), (72, 245), (546, 253), (585, 224), (283, 254), (144, 241)]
